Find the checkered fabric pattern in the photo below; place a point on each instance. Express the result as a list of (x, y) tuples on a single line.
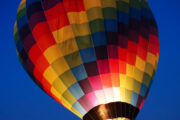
[(84, 53)]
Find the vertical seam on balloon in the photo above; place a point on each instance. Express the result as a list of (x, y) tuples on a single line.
[(78, 51), (96, 58), (109, 54), (146, 55), (42, 50), (65, 61), (95, 54), (139, 2)]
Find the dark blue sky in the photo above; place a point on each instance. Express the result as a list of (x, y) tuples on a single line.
[(21, 99)]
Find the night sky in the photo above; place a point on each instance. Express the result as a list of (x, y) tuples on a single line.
[(22, 99)]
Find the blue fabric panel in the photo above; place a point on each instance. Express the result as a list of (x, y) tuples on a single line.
[(111, 25), (99, 39), (76, 91), (143, 90), (148, 14), (78, 107), (88, 55), (134, 99), (19, 46), (29, 2), (135, 14), (151, 81), (79, 72), (123, 17), (22, 21)]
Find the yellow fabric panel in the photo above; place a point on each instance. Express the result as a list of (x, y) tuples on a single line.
[(60, 66), (68, 47), (15, 28), (81, 29), (59, 86), (140, 64), (130, 70), (122, 94), (52, 53), (69, 97), (66, 103), (55, 93), (22, 5), (151, 58), (77, 17), (69, 78), (138, 75), (157, 56), (63, 101), (92, 3), (129, 83), (149, 69), (128, 95), (109, 3), (63, 34), (50, 75), (122, 80), (136, 86), (76, 112), (94, 13), (156, 61)]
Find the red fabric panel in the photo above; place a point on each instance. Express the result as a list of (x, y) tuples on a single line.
[(131, 55), (106, 80), (112, 51), (74, 5), (103, 66), (57, 17), (114, 68), (34, 53), (43, 36), (96, 82), (115, 79), (41, 64), (122, 67), (122, 54)]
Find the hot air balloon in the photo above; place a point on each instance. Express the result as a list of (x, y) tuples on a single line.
[(97, 58)]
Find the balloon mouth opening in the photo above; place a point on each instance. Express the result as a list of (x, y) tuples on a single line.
[(112, 111)]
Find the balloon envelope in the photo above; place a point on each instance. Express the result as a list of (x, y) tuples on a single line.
[(95, 57)]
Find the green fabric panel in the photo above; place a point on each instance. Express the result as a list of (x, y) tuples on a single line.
[(20, 59), (136, 86), (144, 4), (68, 78), (149, 67), (16, 37), (153, 74), (97, 26), (146, 79), (123, 6), (110, 13), (21, 13), (80, 29), (109, 3), (94, 13), (84, 42), (135, 4), (156, 64), (73, 59)]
